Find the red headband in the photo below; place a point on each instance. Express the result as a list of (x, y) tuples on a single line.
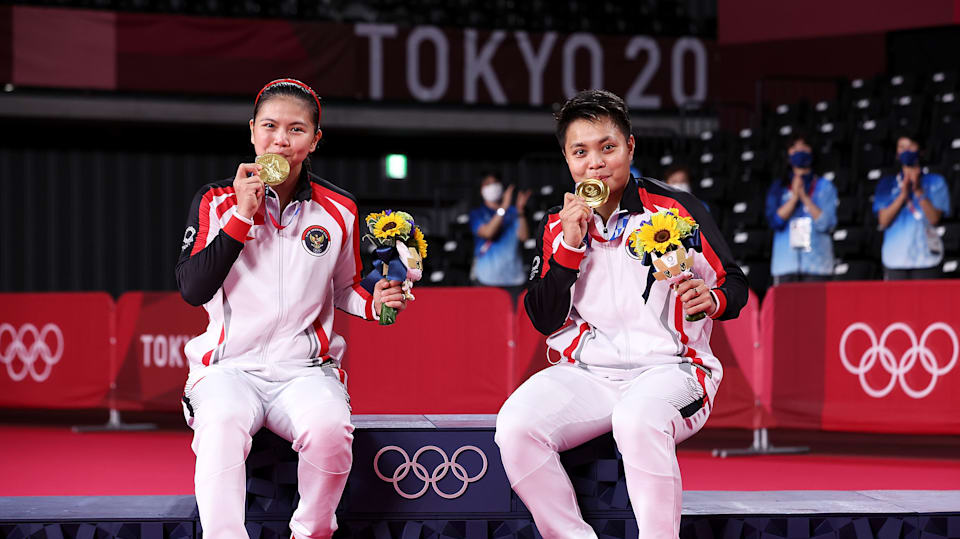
[(298, 83)]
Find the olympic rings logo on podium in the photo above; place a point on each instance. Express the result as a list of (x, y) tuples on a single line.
[(898, 369), (431, 480), (29, 356)]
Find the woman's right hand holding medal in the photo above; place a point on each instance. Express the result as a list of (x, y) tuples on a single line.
[(249, 189), (574, 219)]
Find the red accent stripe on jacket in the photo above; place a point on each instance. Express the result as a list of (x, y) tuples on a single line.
[(689, 352), (322, 337), (208, 355), (204, 217), (320, 192), (227, 203), (548, 237), (573, 345)]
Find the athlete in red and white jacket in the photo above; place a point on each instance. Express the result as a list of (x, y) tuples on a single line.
[(624, 358), (283, 272), (270, 265), (601, 306)]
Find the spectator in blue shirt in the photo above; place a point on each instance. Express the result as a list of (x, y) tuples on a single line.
[(498, 229), (908, 207), (802, 210)]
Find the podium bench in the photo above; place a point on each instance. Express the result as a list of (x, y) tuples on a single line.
[(466, 495)]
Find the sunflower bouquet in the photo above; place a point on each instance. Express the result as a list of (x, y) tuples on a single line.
[(662, 239), (400, 249)]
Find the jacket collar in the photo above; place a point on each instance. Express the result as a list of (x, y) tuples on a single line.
[(631, 200), (303, 191)]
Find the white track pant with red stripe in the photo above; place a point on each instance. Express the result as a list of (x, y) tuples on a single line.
[(309, 409), (564, 406)]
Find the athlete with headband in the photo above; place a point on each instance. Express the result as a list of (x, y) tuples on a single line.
[(269, 264), (624, 357)]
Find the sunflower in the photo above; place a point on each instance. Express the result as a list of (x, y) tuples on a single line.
[(420, 242), (660, 233), (390, 226), (685, 225), (372, 219)]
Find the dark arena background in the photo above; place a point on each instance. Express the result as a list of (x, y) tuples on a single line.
[(837, 416)]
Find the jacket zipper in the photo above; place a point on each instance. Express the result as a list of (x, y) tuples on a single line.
[(273, 330), (613, 294)]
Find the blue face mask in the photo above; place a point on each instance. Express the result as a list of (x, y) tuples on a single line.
[(801, 159), (909, 158)]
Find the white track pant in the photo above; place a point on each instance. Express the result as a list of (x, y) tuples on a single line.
[(564, 406), (230, 406)]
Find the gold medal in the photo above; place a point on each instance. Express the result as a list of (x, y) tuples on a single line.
[(275, 168), (593, 191)]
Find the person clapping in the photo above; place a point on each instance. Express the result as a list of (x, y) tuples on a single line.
[(908, 206)]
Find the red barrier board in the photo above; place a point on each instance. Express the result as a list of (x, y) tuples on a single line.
[(55, 350), (152, 329), (449, 352), (736, 343), (865, 356)]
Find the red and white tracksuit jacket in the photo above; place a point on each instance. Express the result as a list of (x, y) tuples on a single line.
[(600, 305), (270, 285)]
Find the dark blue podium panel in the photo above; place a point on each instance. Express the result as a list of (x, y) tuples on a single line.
[(426, 471), (96, 517)]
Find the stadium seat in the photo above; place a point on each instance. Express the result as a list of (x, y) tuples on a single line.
[(852, 243), (902, 84), (840, 177), (951, 154), (871, 154), (941, 82), (859, 89), (849, 210), (714, 161), (746, 213), (715, 141), (906, 112), (831, 132), (786, 114), (446, 277), (873, 129), (867, 107), (752, 158), (709, 187), (757, 272), (950, 234), (458, 252), (825, 112), (828, 156), (951, 267), (855, 270), (752, 243)]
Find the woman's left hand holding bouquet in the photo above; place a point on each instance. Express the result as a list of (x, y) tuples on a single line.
[(389, 293), (696, 297)]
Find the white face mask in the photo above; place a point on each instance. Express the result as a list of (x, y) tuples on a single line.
[(682, 186), (492, 192)]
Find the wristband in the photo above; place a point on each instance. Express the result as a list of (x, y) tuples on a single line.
[(501, 212)]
